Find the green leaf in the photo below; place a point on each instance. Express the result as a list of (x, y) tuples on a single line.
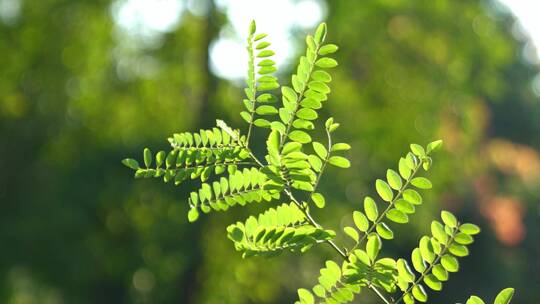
[(307, 114), (268, 70), (463, 239), (328, 49), (394, 180), (418, 150), (404, 169), (470, 229), (321, 75), (315, 162), (419, 293), (289, 94), (291, 147), (439, 272), (434, 146), (408, 298), (262, 45), (326, 63), (373, 246), (131, 163), (311, 103), (160, 157), (360, 221), (417, 260), (260, 36), (404, 271), (263, 123), (266, 110), (318, 199), (412, 197), (320, 33), (339, 161), (449, 219), (384, 231), (432, 282), (193, 215), (147, 157), (426, 249), (300, 136), (319, 86), (265, 53), (246, 116), (410, 161), (504, 296), (303, 124), (450, 263), (397, 216), (475, 300), (352, 233), (426, 163), (305, 296), (458, 250), (320, 150), (266, 62), (340, 147), (437, 230), (421, 183), (384, 191), (404, 206), (370, 207), (252, 27), (273, 141)]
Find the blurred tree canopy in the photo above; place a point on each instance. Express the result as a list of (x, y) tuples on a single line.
[(77, 95)]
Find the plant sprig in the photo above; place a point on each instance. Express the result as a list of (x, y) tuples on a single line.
[(288, 176)]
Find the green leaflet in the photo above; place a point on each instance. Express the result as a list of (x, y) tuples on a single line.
[(384, 191), (504, 296), (318, 199)]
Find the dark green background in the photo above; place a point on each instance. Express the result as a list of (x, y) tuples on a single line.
[(76, 228)]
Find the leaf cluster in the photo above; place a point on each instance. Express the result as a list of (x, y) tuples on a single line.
[(288, 175)]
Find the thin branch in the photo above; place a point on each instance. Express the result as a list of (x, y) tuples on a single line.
[(325, 161), (378, 292), (331, 243)]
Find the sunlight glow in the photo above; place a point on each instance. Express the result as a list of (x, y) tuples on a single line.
[(528, 14), (142, 16), (147, 19), (228, 54)]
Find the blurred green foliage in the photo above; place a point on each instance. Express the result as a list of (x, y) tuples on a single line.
[(76, 96)]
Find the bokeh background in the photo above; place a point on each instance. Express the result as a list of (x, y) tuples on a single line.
[(85, 83)]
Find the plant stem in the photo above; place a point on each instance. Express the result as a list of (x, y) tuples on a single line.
[(331, 243), (314, 223)]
